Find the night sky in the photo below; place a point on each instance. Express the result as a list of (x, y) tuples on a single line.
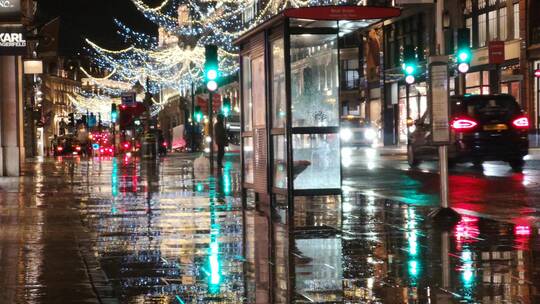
[(93, 19)]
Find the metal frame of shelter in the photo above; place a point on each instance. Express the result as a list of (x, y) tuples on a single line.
[(290, 151)]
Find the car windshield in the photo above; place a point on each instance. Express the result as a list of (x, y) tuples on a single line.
[(353, 123)]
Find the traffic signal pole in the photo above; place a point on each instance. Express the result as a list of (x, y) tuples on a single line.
[(211, 128)]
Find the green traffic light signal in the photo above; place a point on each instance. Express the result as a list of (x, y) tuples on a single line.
[(409, 63), (197, 114), (114, 112), (211, 68), (464, 54), (226, 108)]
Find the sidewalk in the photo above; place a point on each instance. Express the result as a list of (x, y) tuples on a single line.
[(46, 254)]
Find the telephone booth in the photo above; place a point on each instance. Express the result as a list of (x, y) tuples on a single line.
[(291, 160)]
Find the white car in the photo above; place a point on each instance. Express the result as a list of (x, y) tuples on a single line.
[(354, 131)]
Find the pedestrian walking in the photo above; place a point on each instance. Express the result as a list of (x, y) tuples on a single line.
[(220, 138)]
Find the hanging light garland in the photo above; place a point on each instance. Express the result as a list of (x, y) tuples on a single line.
[(176, 59)]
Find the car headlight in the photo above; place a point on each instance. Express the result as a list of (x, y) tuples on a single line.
[(370, 134), (346, 134)]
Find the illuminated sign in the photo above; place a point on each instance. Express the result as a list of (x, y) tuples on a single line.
[(12, 40), (10, 10)]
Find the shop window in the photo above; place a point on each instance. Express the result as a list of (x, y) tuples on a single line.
[(311, 106), (316, 161), (279, 112), (477, 83)]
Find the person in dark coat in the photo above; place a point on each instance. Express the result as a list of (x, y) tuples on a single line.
[(220, 137)]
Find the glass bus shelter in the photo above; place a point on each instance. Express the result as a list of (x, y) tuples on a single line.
[(291, 160)]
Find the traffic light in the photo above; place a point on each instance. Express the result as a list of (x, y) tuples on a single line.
[(463, 54), (409, 64), (197, 114), (211, 69), (71, 119), (114, 112), (226, 108)]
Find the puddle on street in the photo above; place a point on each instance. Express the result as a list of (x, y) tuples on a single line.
[(167, 234)]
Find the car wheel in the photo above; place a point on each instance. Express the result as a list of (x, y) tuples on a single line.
[(411, 156), (517, 164)]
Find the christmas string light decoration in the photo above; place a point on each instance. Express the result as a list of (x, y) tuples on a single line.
[(175, 58)]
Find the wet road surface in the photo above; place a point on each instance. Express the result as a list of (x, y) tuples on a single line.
[(80, 231)]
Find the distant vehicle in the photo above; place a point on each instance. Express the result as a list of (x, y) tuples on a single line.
[(68, 145), (483, 128), (356, 131)]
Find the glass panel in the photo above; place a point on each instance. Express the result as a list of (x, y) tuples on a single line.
[(502, 24), (482, 29), (314, 80), (468, 24), (248, 159), (516, 21), (316, 162), (281, 250), (472, 79), (258, 92), (280, 161), (246, 92), (492, 22), (279, 111)]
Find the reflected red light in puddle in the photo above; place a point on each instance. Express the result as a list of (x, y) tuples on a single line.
[(466, 231), (521, 230)]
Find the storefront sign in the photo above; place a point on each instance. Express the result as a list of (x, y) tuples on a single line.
[(496, 52), (10, 10), (344, 12), (440, 109), (12, 40)]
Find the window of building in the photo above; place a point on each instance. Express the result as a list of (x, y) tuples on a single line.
[(493, 2), (350, 78), (492, 25), (482, 30), (481, 4), (502, 24), (516, 21), (468, 24), (477, 83), (468, 6)]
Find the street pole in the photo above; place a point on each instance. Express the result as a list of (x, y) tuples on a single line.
[(211, 129), (408, 111), (192, 117)]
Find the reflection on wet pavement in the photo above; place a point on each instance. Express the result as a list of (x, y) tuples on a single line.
[(165, 233)]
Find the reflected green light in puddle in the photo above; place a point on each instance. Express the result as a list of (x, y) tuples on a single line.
[(114, 185), (214, 266), (227, 185)]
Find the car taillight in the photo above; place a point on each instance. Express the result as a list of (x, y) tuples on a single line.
[(78, 148), (521, 122), (463, 124), (59, 148), (164, 144)]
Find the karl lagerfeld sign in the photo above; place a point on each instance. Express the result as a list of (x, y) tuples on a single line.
[(12, 40), (10, 10)]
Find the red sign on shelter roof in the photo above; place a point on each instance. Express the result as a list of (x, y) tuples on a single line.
[(342, 12), (496, 52)]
